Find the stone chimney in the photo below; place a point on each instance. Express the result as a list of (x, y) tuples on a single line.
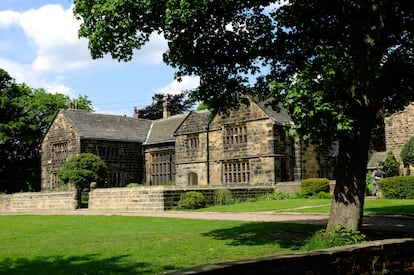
[(165, 112), (135, 115)]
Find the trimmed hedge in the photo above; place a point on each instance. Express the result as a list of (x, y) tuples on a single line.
[(191, 200), (313, 186), (223, 197), (400, 187)]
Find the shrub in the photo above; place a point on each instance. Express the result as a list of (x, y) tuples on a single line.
[(407, 152), (399, 187), (311, 187), (223, 197), (391, 166), (83, 169), (323, 195), (134, 184), (338, 237), (279, 196), (191, 200)]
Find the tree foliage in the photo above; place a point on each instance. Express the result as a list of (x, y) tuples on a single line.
[(334, 64), (407, 152), (391, 166), (176, 104), (25, 117), (83, 169)]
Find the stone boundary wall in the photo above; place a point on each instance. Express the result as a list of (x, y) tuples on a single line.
[(143, 198), (39, 201), (294, 186), (393, 256), (160, 198), (127, 199)]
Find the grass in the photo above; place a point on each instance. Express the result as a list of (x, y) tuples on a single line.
[(31, 244), (135, 245), (372, 207)]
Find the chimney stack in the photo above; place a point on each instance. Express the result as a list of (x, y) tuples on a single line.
[(165, 112), (135, 115)]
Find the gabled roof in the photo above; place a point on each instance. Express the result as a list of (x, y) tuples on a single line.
[(280, 117), (108, 127), (197, 120), (162, 130)]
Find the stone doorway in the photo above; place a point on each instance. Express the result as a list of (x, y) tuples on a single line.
[(192, 178)]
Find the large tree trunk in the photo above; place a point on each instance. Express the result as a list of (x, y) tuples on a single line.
[(348, 200)]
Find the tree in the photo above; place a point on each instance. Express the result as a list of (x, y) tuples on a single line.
[(82, 169), (407, 152), (25, 117), (176, 104), (334, 64), (391, 166)]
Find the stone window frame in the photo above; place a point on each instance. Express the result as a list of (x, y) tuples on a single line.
[(236, 172), (60, 151), (193, 141), (162, 167), (105, 151), (235, 135)]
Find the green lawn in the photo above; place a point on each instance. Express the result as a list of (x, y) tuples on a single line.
[(372, 207), (31, 244), (135, 245)]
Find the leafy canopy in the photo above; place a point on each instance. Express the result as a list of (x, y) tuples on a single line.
[(26, 114), (407, 152), (176, 104), (334, 64), (83, 169)]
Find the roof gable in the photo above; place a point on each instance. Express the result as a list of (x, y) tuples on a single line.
[(162, 130), (108, 127), (195, 122)]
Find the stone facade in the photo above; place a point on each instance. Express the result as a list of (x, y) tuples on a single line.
[(113, 138), (248, 146), (399, 128)]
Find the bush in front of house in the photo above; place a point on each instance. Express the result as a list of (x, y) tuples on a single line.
[(191, 200), (400, 187), (407, 152), (275, 196), (223, 197), (83, 169), (313, 186), (391, 166)]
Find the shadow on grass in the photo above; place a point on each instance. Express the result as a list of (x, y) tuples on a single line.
[(286, 235), (407, 210), (86, 264)]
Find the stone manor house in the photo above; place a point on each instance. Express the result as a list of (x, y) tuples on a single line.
[(248, 146)]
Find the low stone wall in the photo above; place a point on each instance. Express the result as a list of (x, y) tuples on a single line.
[(172, 194), (395, 256), (127, 199), (39, 201), (159, 198)]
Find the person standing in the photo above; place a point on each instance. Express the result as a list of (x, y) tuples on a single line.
[(377, 174)]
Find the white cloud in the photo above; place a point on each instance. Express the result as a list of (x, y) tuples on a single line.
[(151, 53), (176, 87), (51, 33), (9, 18)]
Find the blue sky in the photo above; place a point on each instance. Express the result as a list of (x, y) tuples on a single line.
[(39, 46)]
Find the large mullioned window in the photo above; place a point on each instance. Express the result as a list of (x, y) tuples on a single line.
[(236, 172), (235, 135)]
